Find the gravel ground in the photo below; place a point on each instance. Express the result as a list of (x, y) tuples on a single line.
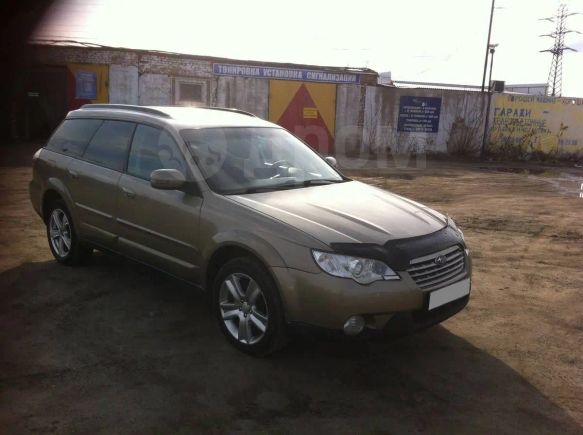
[(114, 347)]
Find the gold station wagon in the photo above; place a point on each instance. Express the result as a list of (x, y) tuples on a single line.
[(241, 208)]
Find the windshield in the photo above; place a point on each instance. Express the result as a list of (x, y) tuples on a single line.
[(253, 159)]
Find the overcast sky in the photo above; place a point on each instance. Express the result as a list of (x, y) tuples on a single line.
[(417, 40)]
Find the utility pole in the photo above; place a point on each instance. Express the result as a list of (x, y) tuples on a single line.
[(555, 79), (488, 46), (492, 50)]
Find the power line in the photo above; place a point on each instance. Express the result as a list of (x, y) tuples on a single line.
[(555, 80)]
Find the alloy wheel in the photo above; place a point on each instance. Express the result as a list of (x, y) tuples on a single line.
[(243, 308), (60, 233)]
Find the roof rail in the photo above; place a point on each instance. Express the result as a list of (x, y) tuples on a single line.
[(231, 109), (156, 112), (129, 107)]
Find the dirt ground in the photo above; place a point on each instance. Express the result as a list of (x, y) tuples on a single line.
[(114, 347)]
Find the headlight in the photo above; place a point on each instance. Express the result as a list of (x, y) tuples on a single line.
[(452, 224), (362, 270)]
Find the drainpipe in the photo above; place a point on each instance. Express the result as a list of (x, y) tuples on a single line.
[(139, 74)]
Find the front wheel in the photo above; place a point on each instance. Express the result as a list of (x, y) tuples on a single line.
[(248, 307), (62, 237)]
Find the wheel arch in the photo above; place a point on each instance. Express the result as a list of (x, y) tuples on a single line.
[(56, 190), (230, 250), (49, 197), (226, 248)]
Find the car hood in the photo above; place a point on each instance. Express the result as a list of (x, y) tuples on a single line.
[(349, 212)]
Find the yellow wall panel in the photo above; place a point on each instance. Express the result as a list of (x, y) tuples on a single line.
[(324, 95), (281, 93), (537, 123), (102, 73)]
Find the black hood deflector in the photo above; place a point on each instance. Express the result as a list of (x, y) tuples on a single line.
[(398, 253)]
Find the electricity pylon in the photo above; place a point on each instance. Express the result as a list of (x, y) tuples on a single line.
[(556, 72)]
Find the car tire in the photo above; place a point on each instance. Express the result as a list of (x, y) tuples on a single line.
[(248, 308), (62, 237)]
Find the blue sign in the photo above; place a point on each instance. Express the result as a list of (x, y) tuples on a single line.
[(419, 114), (85, 85), (307, 75)]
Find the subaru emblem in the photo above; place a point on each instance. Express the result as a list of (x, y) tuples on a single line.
[(441, 260)]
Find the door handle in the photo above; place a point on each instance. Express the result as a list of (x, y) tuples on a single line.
[(72, 173), (129, 193)]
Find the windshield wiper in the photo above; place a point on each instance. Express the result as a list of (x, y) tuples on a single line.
[(259, 189), (286, 185), (320, 181)]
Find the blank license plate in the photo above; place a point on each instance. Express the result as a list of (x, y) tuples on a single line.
[(449, 293)]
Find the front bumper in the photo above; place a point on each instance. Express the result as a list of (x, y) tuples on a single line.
[(324, 301), (408, 322), (399, 324)]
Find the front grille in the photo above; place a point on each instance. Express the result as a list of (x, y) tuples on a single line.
[(427, 273)]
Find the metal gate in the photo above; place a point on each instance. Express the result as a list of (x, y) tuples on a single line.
[(306, 109)]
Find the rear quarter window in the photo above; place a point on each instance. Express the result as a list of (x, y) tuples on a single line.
[(73, 135)]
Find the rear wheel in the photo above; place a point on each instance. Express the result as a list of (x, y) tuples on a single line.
[(62, 237), (247, 306)]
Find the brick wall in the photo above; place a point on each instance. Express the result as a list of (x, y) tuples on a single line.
[(150, 78), (126, 64)]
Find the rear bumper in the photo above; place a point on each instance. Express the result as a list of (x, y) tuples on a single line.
[(34, 192)]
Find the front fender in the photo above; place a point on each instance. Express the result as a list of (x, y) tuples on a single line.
[(297, 256), (245, 240)]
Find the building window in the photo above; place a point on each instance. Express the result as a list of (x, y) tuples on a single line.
[(190, 92)]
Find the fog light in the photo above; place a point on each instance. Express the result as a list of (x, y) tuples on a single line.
[(354, 325)]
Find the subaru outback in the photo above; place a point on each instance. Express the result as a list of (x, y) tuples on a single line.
[(242, 209)]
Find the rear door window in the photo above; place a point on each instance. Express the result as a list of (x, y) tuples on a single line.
[(110, 144), (153, 148), (73, 135)]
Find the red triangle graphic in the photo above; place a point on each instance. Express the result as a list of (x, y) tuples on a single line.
[(312, 130)]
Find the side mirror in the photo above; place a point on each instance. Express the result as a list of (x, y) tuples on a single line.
[(331, 161), (167, 179)]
